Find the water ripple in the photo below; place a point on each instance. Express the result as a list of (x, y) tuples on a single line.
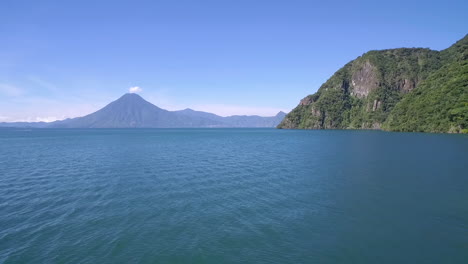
[(231, 196)]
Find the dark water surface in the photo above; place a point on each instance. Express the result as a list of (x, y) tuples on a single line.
[(232, 196)]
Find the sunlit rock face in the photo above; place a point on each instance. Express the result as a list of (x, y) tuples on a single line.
[(364, 80), (378, 88)]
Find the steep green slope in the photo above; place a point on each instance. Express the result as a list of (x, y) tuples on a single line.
[(365, 91), (439, 104)]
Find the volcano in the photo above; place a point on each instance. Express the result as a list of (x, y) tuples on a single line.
[(132, 111)]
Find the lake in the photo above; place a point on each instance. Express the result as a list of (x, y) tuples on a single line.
[(232, 196)]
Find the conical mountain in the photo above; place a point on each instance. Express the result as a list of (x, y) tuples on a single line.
[(131, 110)]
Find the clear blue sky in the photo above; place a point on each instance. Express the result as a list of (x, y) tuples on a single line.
[(68, 58)]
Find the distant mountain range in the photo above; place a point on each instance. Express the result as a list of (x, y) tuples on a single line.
[(405, 89), (132, 111)]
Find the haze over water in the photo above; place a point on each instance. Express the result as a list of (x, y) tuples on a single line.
[(232, 196)]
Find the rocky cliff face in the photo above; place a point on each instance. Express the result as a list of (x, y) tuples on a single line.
[(364, 80), (363, 93), (439, 103)]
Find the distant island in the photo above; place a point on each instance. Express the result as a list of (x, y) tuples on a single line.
[(132, 111), (405, 89)]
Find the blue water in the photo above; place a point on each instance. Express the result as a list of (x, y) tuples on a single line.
[(232, 196)]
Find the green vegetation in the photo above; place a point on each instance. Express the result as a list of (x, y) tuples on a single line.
[(439, 104), (398, 89)]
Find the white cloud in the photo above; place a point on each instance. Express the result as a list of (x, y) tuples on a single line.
[(47, 119), (10, 90), (135, 89)]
